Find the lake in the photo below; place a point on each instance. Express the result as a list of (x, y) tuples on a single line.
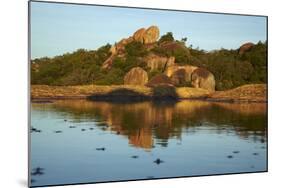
[(81, 141)]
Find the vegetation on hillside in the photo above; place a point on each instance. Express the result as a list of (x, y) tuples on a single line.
[(84, 66)]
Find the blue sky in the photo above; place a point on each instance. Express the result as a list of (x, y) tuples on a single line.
[(60, 28)]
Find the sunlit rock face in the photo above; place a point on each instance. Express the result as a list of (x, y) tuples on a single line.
[(159, 63), (147, 36), (202, 78), (139, 35), (151, 35), (136, 76)]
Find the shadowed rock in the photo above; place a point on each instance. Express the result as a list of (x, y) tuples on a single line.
[(159, 80)]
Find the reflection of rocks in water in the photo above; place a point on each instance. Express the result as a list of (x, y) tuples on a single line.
[(143, 122), (37, 171), (142, 138)]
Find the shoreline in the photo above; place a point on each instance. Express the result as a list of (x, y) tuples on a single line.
[(254, 93)]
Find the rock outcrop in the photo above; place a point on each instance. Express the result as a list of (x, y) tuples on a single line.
[(147, 36), (245, 47), (202, 78), (160, 63), (136, 76), (151, 35), (139, 35)]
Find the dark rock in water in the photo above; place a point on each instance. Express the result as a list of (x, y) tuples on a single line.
[(236, 152), (65, 120), (58, 132), (230, 156), (158, 161), (135, 157), (35, 130), (37, 171), (255, 153), (91, 128), (72, 127), (118, 132), (100, 149), (32, 181), (83, 129)]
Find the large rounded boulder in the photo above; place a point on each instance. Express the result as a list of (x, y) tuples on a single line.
[(136, 76), (202, 78), (139, 35), (151, 35), (245, 47)]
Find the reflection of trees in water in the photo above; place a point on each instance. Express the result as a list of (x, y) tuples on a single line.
[(143, 121)]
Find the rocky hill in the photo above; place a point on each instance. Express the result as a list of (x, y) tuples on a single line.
[(146, 59)]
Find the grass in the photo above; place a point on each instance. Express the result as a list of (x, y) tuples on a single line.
[(84, 91), (247, 93)]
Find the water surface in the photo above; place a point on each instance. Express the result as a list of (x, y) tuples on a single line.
[(80, 141)]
